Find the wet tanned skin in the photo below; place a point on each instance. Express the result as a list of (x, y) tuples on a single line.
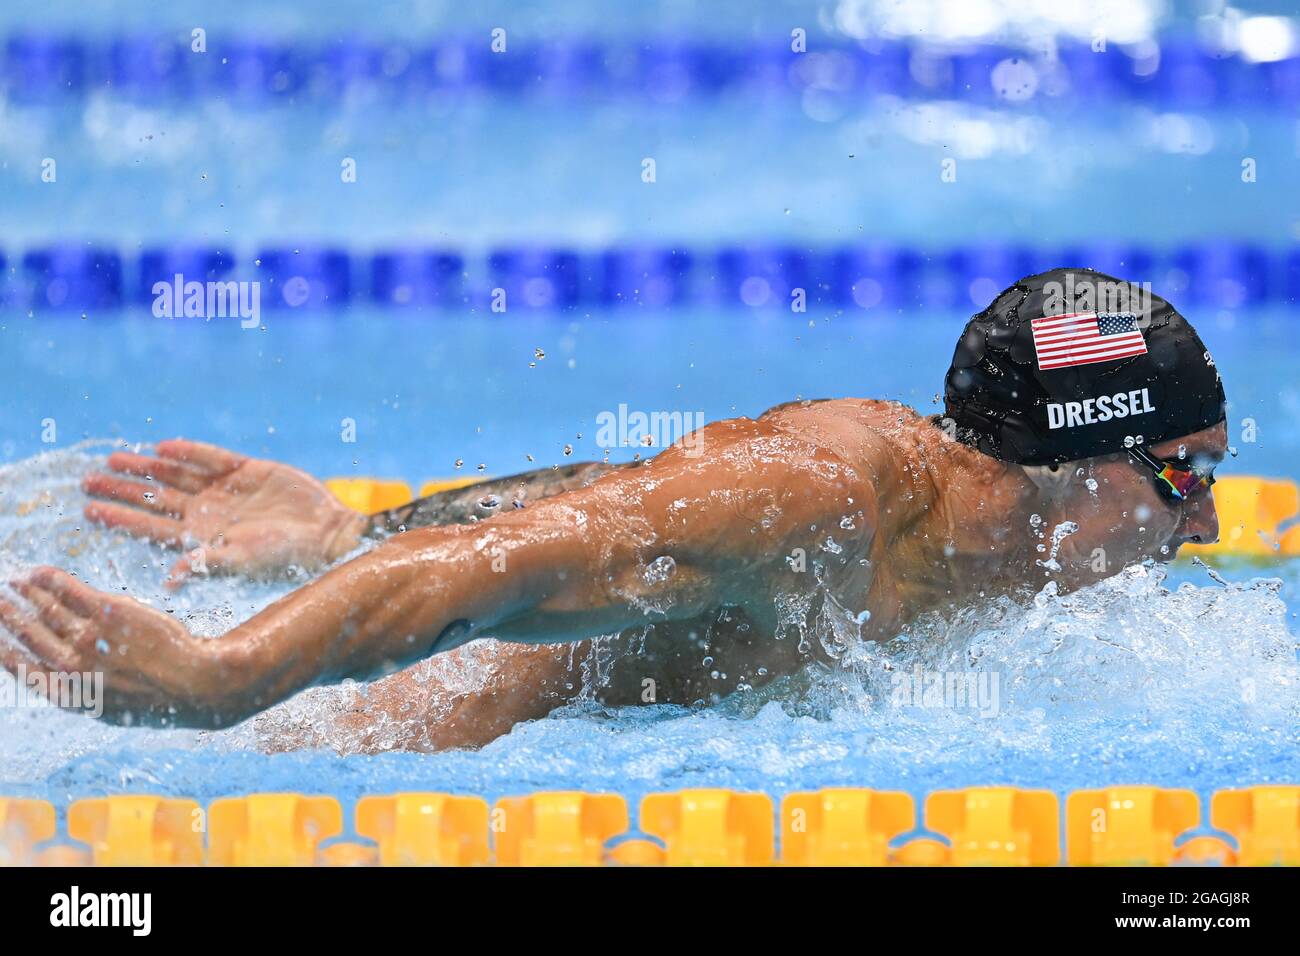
[(918, 523)]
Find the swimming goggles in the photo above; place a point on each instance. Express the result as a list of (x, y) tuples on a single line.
[(1173, 481)]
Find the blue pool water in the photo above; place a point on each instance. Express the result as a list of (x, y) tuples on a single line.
[(1186, 680)]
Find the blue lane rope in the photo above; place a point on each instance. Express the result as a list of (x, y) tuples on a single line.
[(871, 276), (38, 67)]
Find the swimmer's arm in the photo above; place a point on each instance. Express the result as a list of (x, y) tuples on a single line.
[(534, 579), (661, 543), (235, 514)]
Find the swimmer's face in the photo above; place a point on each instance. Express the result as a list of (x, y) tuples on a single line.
[(1123, 519)]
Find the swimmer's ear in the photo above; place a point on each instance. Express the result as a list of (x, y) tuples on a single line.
[(1052, 480)]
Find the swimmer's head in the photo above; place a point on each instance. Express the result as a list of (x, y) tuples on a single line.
[(1109, 402), (1117, 510)]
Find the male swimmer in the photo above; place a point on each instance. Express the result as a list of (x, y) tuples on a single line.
[(1075, 441)]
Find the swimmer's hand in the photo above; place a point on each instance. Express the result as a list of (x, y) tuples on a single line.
[(233, 514), (153, 669)]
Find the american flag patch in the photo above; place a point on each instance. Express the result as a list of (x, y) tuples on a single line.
[(1083, 338)]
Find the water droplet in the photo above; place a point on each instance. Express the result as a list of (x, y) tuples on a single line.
[(660, 569)]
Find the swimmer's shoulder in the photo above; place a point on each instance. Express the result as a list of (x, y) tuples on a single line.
[(882, 416), (855, 429), (868, 434)]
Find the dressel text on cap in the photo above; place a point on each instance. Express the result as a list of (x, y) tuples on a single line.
[(1092, 411)]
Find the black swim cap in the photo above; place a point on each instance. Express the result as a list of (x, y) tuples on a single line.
[(1067, 364)]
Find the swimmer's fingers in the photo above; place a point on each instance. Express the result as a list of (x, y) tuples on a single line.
[(179, 574), (175, 474), (25, 665), (139, 524), (211, 459), (78, 596), (201, 561), (16, 659), (130, 650), (155, 497), (37, 637), (52, 612), (44, 657)]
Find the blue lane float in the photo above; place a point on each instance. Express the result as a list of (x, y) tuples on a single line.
[(42, 67), (511, 73), (251, 70), (1226, 274), (764, 276), (675, 70), (1185, 74), (876, 275), (1281, 80), (149, 68), (870, 276), (1112, 258), (304, 277), (72, 277), (570, 68), (653, 277), (418, 278), (439, 68), (537, 278), (978, 274), (348, 63), (189, 263), (1291, 276)]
